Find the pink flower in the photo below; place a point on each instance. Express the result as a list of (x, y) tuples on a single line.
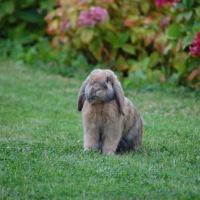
[(160, 3), (195, 49), (93, 16)]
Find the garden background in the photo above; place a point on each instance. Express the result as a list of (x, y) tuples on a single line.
[(147, 41), (48, 47)]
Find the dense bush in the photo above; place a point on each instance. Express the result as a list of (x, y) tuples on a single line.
[(23, 21), (23, 38), (146, 40), (42, 55)]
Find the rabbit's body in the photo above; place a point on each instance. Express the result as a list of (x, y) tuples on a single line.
[(111, 122)]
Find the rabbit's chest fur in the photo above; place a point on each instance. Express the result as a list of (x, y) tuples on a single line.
[(99, 116)]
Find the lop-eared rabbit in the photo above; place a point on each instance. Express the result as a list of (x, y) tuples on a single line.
[(111, 122)]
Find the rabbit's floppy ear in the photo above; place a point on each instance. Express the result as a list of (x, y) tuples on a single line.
[(119, 93), (81, 95)]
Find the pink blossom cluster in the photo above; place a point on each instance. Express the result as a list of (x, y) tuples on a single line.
[(160, 3), (93, 16), (195, 49)]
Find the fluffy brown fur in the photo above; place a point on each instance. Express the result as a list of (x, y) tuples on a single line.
[(111, 122)]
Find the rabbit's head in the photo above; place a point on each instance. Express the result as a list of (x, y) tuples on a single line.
[(101, 86)]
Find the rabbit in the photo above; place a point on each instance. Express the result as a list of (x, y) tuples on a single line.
[(111, 122)]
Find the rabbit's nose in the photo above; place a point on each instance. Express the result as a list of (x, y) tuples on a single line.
[(95, 90)]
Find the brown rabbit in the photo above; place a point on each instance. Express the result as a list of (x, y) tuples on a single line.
[(111, 122)]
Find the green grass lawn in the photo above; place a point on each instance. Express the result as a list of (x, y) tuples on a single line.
[(41, 144)]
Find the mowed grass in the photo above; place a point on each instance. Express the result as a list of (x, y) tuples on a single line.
[(41, 144)]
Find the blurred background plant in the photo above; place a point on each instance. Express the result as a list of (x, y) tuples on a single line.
[(146, 41), (23, 21)]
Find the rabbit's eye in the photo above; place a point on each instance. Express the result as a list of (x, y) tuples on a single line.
[(107, 79), (104, 85)]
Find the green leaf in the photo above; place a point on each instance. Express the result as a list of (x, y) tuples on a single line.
[(117, 40), (196, 27), (180, 66), (188, 3), (122, 38), (154, 59), (73, 19), (174, 32), (121, 63), (96, 48), (186, 42), (26, 3), (128, 48), (179, 62), (197, 10), (110, 37), (30, 15), (180, 5), (6, 8), (23, 37), (76, 42), (87, 36), (179, 17), (49, 5), (188, 14), (191, 64), (140, 65), (145, 6), (133, 38)]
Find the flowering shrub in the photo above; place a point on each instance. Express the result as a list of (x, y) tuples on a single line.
[(93, 16), (145, 40), (195, 49)]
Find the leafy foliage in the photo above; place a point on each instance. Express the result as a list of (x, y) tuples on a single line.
[(23, 21), (44, 56), (147, 41), (138, 38)]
